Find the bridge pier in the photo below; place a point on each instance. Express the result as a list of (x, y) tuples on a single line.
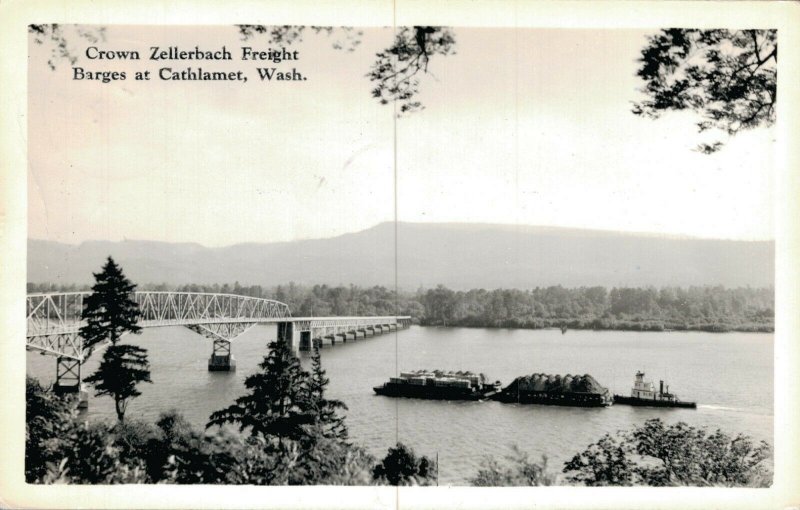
[(221, 359), (68, 380), (306, 342), (298, 340)]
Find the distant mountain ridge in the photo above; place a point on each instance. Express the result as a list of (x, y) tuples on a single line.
[(460, 256)]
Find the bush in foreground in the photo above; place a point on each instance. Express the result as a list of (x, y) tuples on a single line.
[(656, 454), (518, 471), (652, 454), (402, 467)]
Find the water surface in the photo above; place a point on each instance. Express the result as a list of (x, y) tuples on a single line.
[(730, 376)]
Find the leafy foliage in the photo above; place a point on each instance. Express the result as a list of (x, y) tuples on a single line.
[(401, 466), (605, 462), (698, 308), (517, 471), (122, 368), (55, 36), (680, 454), (692, 456), (397, 68), (727, 76), (274, 406), (290, 34), (47, 417), (61, 449)]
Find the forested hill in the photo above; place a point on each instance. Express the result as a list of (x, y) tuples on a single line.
[(459, 256)]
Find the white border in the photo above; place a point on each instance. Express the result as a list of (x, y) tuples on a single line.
[(16, 15)]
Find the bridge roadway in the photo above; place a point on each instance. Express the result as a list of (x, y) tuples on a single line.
[(54, 321)]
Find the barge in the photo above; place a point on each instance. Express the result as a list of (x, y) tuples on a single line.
[(439, 385), (644, 393), (546, 389)]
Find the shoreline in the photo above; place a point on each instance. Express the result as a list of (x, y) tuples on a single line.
[(645, 328)]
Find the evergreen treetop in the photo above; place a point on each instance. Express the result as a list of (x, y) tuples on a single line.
[(274, 405), (327, 418), (110, 310)]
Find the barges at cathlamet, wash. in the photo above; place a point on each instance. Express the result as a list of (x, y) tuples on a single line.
[(569, 390), (439, 385), (645, 394)]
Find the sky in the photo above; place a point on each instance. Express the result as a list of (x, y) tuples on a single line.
[(528, 127)]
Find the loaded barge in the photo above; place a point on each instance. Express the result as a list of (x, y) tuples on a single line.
[(439, 385), (645, 394), (546, 389)]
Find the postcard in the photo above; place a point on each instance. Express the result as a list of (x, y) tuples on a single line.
[(387, 255)]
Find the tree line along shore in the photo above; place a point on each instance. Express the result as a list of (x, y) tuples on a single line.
[(697, 308)]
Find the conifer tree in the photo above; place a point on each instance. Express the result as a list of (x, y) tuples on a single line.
[(326, 411), (274, 406), (122, 368), (110, 312)]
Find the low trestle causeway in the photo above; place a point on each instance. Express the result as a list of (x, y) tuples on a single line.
[(54, 322)]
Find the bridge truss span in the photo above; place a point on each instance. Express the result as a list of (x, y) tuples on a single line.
[(54, 320)]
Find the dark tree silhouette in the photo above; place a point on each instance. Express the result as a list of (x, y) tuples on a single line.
[(109, 311), (727, 76), (274, 406), (122, 368), (402, 467), (396, 70), (53, 35), (329, 422), (288, 34), (47, 418), (605, 462)]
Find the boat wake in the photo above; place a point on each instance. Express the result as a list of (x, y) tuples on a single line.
[(718, 408)]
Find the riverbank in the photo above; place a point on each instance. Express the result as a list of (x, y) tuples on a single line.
[(603, 324)]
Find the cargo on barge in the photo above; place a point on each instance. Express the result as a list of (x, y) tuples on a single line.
[(644, 393), (439, 385), (546, 389)]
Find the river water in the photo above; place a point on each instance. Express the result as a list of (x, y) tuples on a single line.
[(730, 376)]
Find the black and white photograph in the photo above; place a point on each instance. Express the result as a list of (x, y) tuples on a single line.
[(393, 255)]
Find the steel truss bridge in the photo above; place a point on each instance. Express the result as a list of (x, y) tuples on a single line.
[(54, 322)]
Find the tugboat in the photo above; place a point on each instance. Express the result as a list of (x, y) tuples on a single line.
[(645, 394), (439, 385), (546, 389)]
